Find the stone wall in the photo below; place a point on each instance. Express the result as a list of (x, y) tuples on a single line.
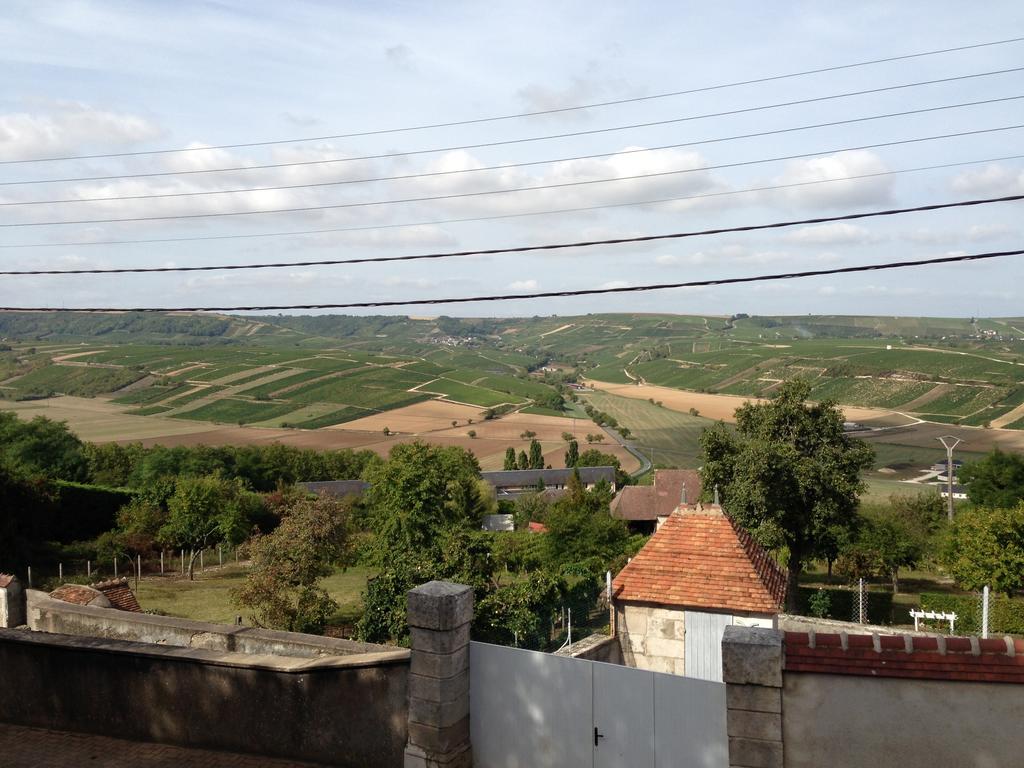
[(46, 614), (651, 637), (596, 647), (12, 601), (346, 710), (804, 699)]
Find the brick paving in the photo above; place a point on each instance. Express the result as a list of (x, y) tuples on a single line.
[(39, 748)]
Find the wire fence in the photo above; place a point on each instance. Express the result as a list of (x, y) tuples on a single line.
[(169, 563)]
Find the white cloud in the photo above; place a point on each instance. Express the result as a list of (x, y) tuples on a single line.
[(839, 190), (523, 285), (834, 233), (994, 179), (67, 127)]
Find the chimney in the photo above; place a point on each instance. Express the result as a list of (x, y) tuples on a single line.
[(682, 495), (716, 496)]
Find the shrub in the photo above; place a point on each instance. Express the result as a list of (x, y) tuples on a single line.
[(840, 604), (1006, 614)]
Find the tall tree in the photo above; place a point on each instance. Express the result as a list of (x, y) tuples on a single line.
[(572, 456), (789, 474), (419, 490), (523, 461), (510, 458), (536, 455), (995, 481)]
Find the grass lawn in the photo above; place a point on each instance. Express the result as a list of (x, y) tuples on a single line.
[(207, 598)]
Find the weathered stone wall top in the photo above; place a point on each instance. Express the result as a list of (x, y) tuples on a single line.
[(48, 615), (270, 662)]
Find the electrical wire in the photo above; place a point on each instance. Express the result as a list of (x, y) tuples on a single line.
[(527, 140), (550, 294), (434, 174), (483, 193), (536, 113), (549, 212), (529, 248)]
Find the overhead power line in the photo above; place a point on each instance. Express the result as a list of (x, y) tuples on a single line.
[(434, 174), (535, 113), (549, 294), (484, 193), (548, 212), (526, 140), (530, 248)]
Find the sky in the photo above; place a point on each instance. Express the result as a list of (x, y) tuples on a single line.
[(101, 78)]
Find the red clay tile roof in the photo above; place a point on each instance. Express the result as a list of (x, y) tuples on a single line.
[(116, 592), (79, 594), (6, 579), (538, 528), (120, 595), (930, 658), (700, 559), (649, 502)]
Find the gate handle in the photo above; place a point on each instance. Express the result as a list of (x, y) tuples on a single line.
[(597, 735)]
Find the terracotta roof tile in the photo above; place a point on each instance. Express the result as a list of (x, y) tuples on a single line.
[(649, 502), (79, 594), (700, 559), (926, 658), (120, 595)]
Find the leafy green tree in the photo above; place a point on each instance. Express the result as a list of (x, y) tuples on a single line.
[(523, 461), (595, 458), (995, 481), (536, 457), (582, 532), (530, 507), (282, 589), (568, 437), (510, 458), (203, 511), (789, 474), (882, 546), (572, 456), (42, 447), (419, 490), (986, 547)]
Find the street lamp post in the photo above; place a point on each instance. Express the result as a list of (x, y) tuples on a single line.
[(949, 442)]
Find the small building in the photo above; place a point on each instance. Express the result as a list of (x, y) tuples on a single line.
[(510, 483), (959, 492), (697, 574), (336, 488), (114, 593), (645, 507)]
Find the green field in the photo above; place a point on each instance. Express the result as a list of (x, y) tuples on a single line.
[(467, 393), (208, 599), (230, 411), (668, 437), (74, 380)]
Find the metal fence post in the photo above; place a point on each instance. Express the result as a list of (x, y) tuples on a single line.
[(161, 562), (984, 612)]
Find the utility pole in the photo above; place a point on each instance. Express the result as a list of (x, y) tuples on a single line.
[(949, 442)]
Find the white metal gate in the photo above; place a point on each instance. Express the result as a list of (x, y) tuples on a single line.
[(533, 710)]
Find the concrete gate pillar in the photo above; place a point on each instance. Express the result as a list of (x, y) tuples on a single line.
[(752, 660), (439, 615), (12, 602)]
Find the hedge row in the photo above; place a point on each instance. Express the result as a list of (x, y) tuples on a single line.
[(85, 511), (841, 603), (1006, 614)]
